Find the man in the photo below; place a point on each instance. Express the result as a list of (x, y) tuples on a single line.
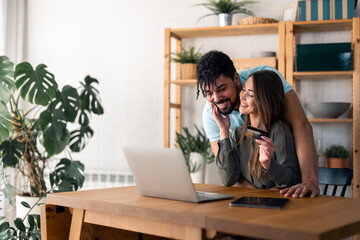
[(220, 84)]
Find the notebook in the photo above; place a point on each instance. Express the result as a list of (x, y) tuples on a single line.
[(163, 173)]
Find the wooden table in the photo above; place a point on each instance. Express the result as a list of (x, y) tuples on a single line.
[(322, 217)]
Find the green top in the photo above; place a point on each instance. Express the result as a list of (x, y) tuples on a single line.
[(284, 168)]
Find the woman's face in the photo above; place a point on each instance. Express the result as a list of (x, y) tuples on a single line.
[(247, 98)]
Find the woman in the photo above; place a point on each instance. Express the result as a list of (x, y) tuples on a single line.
[(267, 162)]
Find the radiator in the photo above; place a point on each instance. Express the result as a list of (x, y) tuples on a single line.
[(95, 179)]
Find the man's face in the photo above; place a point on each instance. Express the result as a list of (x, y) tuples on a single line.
[(224, 94)]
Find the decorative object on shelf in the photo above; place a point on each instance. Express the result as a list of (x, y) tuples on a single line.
[(188, 59), (336, 156), (31, 138), (313, 10), (225, 9), (199, 144), (256, 20), (263, 54), (289, 12), (327, 109), (320, 154), (323, 57)]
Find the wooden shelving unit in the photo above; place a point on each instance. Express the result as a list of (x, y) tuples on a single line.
[(353, 25), (180, 34)]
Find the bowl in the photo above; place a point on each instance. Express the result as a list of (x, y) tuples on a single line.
[(327, 109)]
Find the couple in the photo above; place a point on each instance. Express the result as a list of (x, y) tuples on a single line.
[(258, 97)]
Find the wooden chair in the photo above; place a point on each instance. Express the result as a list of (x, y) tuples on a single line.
[(336, 177)]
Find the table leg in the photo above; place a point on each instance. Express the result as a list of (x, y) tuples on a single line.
[(193, 233), (76, 224)]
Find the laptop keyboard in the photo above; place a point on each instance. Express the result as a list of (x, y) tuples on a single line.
[(206, 195)]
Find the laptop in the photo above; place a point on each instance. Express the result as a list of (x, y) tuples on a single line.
[(163, 173)]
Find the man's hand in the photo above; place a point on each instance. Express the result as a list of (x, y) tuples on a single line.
[(302, 190)]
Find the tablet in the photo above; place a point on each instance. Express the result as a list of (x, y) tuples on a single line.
[(260, 202)]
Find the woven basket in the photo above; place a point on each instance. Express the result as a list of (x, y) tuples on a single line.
[(188, 70), (256, 20)]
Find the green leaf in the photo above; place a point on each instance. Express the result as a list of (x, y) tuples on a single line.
[(7, 234), (37, 86), (89, 97), (78, 138), (31, 222), (6, 79), (25, 204), (70, 174), (66, 104), (43, 185), (35, 190), (11, 152), (55, 141), (18, 222), (44, 119), (4, 226), (5, 122)]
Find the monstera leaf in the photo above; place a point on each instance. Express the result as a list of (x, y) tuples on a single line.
[(11, 152), (6, 79), (39, 86), (56, 137), (89, 97), (5, 122), (68, 175), (78, 138), (66, 104)]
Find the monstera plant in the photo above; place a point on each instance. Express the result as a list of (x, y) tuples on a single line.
[(54, 121)]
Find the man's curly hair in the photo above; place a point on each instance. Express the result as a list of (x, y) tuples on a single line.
[(210, 67)]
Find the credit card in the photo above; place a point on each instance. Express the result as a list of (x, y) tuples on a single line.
[(255, 132)]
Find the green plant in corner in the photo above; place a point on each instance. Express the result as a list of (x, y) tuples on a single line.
[(199, 143), (336, 151), (187, 56), (227, 6), (29, 140)]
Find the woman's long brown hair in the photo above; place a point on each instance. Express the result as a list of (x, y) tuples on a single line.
[(270, 102)]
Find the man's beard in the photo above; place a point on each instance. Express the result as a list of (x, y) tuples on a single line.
[(230, 109)]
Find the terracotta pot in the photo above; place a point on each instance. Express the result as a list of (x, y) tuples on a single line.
[(337, 162), (188, 70)]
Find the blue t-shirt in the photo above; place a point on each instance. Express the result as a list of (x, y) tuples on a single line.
[(236, 118)]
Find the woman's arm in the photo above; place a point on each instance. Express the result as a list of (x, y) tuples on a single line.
[(278, 157)]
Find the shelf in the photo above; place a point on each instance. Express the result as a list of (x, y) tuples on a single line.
[(249, 29), (190, 82), (323, 26), (323, 75), (331, 120)]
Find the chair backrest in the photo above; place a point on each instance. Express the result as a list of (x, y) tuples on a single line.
[(336, 177)]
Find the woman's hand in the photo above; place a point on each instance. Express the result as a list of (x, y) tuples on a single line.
[(223, 123), (266, 150)]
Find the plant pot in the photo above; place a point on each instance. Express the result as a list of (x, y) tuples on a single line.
[(199, 175), (188, 70), (21, 211), (337, 162), (225, 19)]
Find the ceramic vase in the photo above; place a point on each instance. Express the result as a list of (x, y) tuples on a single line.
[(199, 175), (337, 162), (225, 19)]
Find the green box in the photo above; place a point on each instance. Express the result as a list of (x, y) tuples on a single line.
[(323, 57)]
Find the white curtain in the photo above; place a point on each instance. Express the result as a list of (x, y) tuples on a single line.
[(14, 22)]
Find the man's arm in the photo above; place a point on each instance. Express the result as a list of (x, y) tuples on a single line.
[(305, 149)]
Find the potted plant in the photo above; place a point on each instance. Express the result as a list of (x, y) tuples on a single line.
[(197, 152), (188, 60), (57, 122), (336, 156), (225, 9)]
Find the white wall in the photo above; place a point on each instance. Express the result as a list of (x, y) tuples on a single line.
[(121, 43)]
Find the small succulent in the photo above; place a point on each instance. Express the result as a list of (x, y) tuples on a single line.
[(227, 6), (187, 56), (336, 151)]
